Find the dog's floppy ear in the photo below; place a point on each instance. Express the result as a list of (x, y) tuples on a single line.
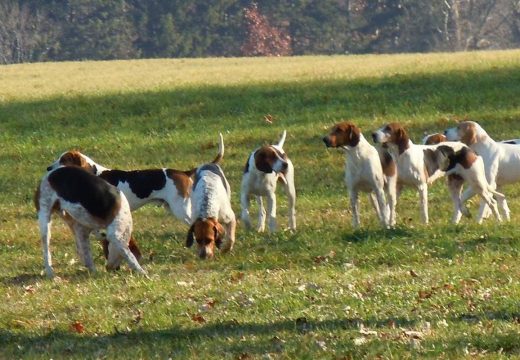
[(219, 234), (444, 157), (354, 136), (190, 238), (263, 161)]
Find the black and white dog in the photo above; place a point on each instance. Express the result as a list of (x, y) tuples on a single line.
[(87, 203)]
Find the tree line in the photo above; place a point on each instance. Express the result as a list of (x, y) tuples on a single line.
[(57, 30)]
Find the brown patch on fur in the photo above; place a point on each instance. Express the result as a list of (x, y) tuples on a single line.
[(468, 159), (435, 139), (182, 180), (104, 222), (74, 158), (208, 233), (265, 158), (398, 136), (388, 164), (343, 134), (467, 133)]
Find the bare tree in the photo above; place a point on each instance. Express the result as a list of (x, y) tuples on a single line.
[(20, 32)]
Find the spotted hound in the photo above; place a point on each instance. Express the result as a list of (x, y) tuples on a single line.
[(88, 203), (470, 167), (409, 157), (266, 166), (211, 198)]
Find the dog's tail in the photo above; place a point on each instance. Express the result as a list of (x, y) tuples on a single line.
[(282, 140), (220, 154)]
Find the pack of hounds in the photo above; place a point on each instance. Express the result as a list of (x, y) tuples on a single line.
[(92, 198)]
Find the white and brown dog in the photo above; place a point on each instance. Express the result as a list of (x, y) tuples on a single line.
[(411, 167), (437, 138), (365, 171), (211, 198), (264, 168), (88, 203), (470, 167), (167, 186), (501, 160)]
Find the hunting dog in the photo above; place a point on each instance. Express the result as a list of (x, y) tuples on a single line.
[(365, 170), (266, 166), (211, 198), (470, 167), (88, 203), (411, 167), (501, 160)]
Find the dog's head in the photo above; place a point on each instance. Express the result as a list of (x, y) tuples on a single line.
[(343, 134), (468, 132), (208, 233), (434, 139), (269, 159), (74, 158), (392, 134)]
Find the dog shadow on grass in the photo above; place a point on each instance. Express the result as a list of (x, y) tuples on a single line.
[(364, 234), (251, 337)]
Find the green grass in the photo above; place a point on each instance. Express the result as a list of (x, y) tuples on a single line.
[(325, 291)]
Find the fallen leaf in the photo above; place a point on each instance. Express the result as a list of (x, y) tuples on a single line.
[(425, 294), (268, 118), (29, 289), (236, 277), (413, 273), (77, 327), (138, 317), (198, 318)]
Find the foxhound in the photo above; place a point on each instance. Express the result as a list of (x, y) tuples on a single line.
[(264, 168), (211, 198), (437, 138), (409, 157), (89, 203), (470, 167), (501, 161), (365, 171)]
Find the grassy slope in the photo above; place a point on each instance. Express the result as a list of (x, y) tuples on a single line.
[(285, 295)]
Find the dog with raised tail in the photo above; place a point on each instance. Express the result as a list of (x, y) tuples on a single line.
[(265, 167), (211, 199)]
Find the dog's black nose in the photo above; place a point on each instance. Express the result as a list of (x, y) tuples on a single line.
[(49, 168), (445, 132), (284, 166), (374, 137), (326, 140)]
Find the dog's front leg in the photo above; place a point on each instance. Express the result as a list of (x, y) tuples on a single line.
[(81, 233), (454, 183), (44, 221), (230, 235), (423, 202), (354, 205), (260, 227), (271, 210), (245, 202)]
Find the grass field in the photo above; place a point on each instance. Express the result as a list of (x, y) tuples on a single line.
[(325, 291)]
